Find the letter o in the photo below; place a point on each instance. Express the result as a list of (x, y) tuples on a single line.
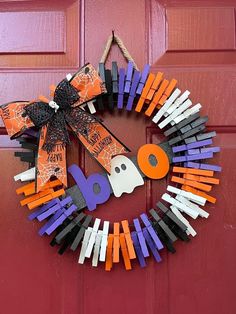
[(158, 171)]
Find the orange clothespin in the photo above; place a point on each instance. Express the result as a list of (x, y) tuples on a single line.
[(210, 198), (167, 93), (35, 196), (124, 251), (49, 184), (199, 172), (200, 186), (154, 87), (156, 98), (201, 178), (108, 264), (46, 198), (129, 242), (25, 187), (147, 86), (116, 243)]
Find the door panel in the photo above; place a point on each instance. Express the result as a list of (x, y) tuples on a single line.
[(192, 41)]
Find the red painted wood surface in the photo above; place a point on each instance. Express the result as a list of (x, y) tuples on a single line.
[(193, 41)]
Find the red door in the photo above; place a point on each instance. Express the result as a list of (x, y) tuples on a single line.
[(192, 41)]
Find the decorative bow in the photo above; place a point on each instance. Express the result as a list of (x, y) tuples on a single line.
[(54, 116)]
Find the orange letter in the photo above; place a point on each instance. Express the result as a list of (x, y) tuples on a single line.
[(157, 171)]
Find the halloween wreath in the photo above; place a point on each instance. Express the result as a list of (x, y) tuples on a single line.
[(41, 127)]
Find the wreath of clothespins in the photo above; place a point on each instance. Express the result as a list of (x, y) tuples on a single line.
[(41, 127)]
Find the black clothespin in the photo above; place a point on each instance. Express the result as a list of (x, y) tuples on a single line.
[(162, 224), (109, 94), (163, 237), (59, 229), (187, 135), (181, 124), (29, 143), (193, 124), (178, 228), (80, 234), (114, 74), (101, 71)]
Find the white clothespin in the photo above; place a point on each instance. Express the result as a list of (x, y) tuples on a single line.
[(85, 241), (189, 195), (189, 211), (26, 175), (177, 213), (92, 239), (103, 249), (195, 207), (188, 113), (177, 103), (166, 105), (97, 248), (176, 113)]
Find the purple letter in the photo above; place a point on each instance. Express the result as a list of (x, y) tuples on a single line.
[(86, 186)]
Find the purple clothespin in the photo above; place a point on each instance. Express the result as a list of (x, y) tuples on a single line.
[(202, 166), (121, 88), (198, 144), (60, 220), (141, 237), (51, 221), (132, 94), (203, 150), (192, 157), (214, 149), (190, 146), (143, 79), (129, 74), (54, 208), (42, 209), (152, 246), (152, 232), (138, 250)]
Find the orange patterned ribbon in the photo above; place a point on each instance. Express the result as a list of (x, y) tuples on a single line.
[(51, 161)]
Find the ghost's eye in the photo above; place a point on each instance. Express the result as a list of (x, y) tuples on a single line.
[(117, 169), (123, 167)]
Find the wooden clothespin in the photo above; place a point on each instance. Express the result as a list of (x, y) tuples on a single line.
[(141, 238), (92, 238), (103, 249), (116, 243), (198, 185), (151, 245), (177, 213), (81, 232), (167, 104), (162, 225), (138, 249), (209, 198), (124, 251), (87, 235), (109, 259), (97, 247), (189, 211), (151, 231), (190, 196), (129, 242)]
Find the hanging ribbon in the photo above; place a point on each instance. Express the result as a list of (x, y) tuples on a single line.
[(53, 117)]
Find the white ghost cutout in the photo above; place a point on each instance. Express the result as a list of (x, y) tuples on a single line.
[(124, 177)]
